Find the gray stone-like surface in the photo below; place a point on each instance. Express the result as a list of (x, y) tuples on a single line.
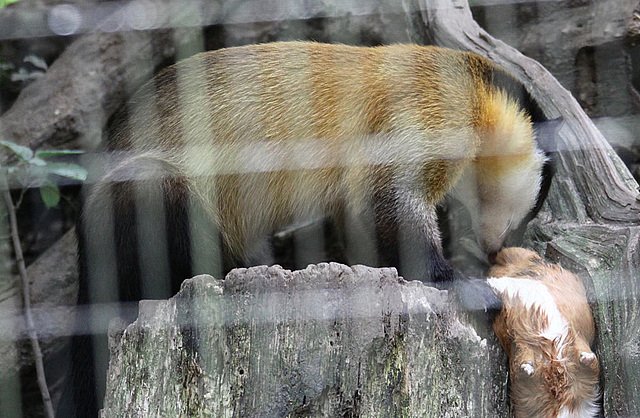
[(329, 340)]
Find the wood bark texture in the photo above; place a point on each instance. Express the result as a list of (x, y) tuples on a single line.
[(68, 107), (326, 341)]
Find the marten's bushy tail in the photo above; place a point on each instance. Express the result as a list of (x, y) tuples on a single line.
[(139, 224)]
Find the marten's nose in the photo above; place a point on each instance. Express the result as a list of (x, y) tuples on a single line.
[(492, 257)]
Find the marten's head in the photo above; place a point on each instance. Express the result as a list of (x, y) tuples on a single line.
[(504, 181), (546, 328)]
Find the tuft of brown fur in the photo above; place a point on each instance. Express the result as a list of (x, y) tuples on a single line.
[(565, 370)]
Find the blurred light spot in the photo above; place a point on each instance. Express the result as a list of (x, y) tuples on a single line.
[(64, 19), (110, 17), (141, 15)]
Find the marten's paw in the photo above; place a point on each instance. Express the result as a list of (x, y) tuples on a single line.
[(527, 368)]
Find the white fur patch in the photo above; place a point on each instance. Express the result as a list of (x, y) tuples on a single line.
[(587, 359), (527, 368), (533, 293), (587, 409), (501, 203)]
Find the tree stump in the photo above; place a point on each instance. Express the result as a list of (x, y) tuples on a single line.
[(326, 341)]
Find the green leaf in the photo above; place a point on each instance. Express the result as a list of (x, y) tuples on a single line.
[(55, 153), (72, 171), (24, 153), (6, 2), (50, 194), (34, 176), (37, 161)]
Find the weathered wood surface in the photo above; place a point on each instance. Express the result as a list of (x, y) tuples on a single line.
[(326, 341), (584, 44), (590, 223), (585, 48), (54, 282)]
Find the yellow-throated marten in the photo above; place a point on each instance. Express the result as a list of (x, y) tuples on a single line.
[(225, 147), (546, 328), (258, 137)]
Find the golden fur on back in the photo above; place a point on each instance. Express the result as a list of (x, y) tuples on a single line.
[(272, 133), (547, 332)]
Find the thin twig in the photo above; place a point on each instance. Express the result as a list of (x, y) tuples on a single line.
[(31, 329), (19, 202)]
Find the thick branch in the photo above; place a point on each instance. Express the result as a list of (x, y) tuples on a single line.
[(604, 187), (69, 105)]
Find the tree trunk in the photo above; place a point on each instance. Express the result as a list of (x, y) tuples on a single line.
[(326, 341), (68, 107)]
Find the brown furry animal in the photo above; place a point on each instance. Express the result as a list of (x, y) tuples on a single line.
[(546, 328)]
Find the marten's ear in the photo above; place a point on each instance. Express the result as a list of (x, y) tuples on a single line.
[(587, 358), (527, 368)]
